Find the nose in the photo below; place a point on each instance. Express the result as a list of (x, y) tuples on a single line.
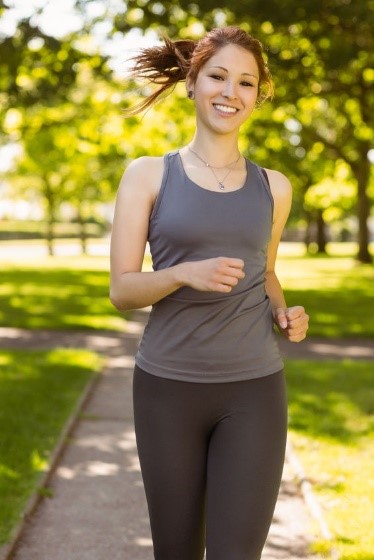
[(229, 90)]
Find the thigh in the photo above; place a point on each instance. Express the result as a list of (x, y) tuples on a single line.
[(245, 462), (172, 451)]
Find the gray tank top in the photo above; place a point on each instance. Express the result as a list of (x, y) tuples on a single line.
[(210, 337)]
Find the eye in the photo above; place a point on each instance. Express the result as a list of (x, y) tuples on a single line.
[(247, 84), (216, 77)]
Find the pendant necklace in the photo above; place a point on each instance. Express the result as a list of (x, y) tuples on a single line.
[(231, 166)]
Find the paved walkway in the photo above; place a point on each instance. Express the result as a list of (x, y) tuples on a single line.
[(98, 510)]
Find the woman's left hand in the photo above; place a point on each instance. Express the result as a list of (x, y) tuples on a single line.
[(292, 322)]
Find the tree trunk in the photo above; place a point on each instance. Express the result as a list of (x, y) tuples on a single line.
[(321, 233), (50, 218), (362, 172), (308, 234), (50, 238), (315, 233), (82, 229)]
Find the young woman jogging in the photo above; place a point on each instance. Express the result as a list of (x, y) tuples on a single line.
[(209, 388)]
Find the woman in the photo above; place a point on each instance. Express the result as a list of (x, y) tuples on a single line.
[(209, 391)]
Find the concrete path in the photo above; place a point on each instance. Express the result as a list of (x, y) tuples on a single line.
[(97, 510), (106, 341)]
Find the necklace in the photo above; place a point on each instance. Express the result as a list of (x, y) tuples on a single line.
[(231, 166)]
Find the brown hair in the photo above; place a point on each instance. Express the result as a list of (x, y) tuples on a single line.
[(172, 62)]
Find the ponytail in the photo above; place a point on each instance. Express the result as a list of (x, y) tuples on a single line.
[(164, 65), (172, 62)]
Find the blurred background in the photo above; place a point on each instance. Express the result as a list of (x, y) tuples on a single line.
[(64, 145)]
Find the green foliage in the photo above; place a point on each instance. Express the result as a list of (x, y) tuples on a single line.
[(321, 57), (333, 195), (38, 392), (174, 116), (61, 101), (36, 66), (59, 104), (331, 407)]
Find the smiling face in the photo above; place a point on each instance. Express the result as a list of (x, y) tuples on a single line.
[(226, 89)]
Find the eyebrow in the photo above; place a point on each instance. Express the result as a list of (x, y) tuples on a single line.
[(243, 73)]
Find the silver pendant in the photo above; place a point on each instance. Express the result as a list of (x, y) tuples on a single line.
[(221, 186)]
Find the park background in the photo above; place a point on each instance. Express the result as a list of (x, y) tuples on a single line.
[(63, 149)]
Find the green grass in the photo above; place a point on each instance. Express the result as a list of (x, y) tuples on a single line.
[(58, 293), (38, 392), (73, 292), (337, 292), (331, 407)]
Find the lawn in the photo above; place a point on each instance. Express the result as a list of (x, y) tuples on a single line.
[(72, 293), (58, 293), (331, 410), (336, 291), (38, 392)]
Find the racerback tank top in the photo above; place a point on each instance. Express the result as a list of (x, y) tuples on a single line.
[(210, 337)]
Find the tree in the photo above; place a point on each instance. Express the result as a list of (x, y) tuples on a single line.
[(321, 55), (70, 151), (56, 103)]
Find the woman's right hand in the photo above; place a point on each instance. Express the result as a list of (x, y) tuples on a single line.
[(219, 274)]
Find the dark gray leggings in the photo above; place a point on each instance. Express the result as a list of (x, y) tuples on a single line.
[(211, 457)]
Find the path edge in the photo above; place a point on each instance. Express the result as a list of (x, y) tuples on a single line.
[(9, 548), (309, 498)]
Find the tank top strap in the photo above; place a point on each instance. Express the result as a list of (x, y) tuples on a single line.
[(164, 181), (264, 181)]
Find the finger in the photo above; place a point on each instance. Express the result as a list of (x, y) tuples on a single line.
[(223, 273), (299, 322), (233, 262), (236, 272), (295, 311), (230, 280), (296, 338), (281, 318), (298, 330), (291, 333), (222, 288)]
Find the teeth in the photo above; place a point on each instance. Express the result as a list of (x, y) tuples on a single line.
[(225, 108)]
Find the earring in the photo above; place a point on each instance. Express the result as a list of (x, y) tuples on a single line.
[(190, 94)]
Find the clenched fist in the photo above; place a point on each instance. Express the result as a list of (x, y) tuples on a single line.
[(292, 322), (219, 274)]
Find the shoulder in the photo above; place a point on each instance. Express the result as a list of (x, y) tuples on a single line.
[(281, 191), (279, 184), (144, 172), (142, 179), (145, 163)]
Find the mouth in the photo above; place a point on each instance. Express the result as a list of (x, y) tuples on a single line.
[(226, 109)]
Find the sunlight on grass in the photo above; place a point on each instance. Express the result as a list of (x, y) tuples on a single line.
[(38, 392), (73, 292), (51, 296), (337, 293), (331, 408)]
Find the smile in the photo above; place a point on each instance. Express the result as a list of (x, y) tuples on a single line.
[(225, 108)]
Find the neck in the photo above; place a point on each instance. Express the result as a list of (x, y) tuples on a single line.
[(216, 150)]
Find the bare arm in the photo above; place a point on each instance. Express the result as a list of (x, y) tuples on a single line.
[(130, 288), (292, 321)]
